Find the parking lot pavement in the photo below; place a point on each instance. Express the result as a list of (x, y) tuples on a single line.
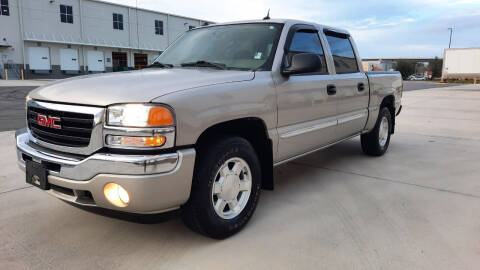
[(414, 208), (12, 107), (12, 102), (421, 85)]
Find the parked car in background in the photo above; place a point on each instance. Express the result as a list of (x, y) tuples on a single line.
[(204, 126), (417, 77)]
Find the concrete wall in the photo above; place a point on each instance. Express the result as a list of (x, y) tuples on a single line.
[(10, 36), (41, 20)]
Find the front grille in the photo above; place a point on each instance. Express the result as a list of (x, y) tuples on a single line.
[(76, 128)]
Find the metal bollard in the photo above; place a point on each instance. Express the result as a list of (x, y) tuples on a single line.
[(23, 75), (6, 74)]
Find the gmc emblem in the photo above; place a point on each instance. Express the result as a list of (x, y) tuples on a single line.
[(48, 121)]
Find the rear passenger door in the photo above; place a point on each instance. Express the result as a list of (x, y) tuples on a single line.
[(351, 84), (306, 112)]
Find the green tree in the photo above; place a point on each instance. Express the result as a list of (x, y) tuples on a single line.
[(406, 68), (435, 66)]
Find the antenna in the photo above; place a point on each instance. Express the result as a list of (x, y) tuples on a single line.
[(268, 15)]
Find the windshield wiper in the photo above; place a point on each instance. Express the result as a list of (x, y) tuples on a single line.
[(159, 65), (202, 63)]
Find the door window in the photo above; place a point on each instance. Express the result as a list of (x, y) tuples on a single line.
[(307, 41), (342, 52)]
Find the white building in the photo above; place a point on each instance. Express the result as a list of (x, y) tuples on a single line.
[(58, 38)]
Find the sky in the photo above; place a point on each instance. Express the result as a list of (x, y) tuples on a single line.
[(381, 29)]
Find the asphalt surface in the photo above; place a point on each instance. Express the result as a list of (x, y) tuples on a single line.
[(12, 106), (414, 208), (12, 99), (421, 85)]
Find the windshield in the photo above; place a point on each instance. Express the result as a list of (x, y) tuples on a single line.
[(239, 46)]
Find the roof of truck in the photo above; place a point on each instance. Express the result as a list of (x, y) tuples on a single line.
[(287, 22)]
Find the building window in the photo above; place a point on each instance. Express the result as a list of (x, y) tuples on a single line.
[(191, 27), (117, 21), (4, 8), (158, 27), (66, 14)]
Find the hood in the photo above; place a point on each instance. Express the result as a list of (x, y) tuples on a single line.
[(134, 86)]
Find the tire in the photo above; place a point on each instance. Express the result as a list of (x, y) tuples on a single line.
[(376, 142), (199, 213)]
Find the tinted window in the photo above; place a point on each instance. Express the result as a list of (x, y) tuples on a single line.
[(343, 55), (117, 21), (66, 14), (158, 27), (4, 9), (307, 42)]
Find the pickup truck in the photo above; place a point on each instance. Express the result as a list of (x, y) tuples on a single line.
[(202, 128)]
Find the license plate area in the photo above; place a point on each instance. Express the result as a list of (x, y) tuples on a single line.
[(36, 175)]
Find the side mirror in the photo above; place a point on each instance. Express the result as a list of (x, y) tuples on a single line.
[(303, 63)]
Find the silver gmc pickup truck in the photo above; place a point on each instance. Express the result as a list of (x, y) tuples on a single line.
[(202, 128)]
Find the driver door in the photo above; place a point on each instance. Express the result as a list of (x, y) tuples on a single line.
[(306, 112)]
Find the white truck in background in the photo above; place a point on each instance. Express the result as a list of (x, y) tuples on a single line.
[(461, 63)]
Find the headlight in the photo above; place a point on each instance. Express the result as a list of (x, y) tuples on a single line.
[(139, 115), (139, 126)]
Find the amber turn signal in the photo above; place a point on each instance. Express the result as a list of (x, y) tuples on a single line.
[(159, 116), (155, 141)]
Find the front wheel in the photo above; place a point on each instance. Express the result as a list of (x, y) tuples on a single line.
[(225, 189), (376, 142)]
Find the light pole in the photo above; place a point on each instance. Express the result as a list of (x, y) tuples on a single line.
[(451, 32)]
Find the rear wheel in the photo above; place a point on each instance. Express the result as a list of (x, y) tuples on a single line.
[(225, 189), (376, 142)]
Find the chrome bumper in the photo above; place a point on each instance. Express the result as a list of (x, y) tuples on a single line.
[(156, 183)]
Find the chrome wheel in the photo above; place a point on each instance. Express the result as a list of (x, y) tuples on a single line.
[(383, 132), (231, 188)]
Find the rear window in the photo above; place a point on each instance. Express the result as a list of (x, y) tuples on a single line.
[(342, 52)]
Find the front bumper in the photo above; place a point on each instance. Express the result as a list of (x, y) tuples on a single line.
[(156, 183)]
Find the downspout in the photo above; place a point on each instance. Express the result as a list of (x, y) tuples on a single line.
[(129, 51), (20, 19), (82, 36), (166, 31)]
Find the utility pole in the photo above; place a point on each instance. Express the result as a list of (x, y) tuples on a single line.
[(450, 42)]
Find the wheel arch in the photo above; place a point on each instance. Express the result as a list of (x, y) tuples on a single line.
[(252, 129), (389, 102)]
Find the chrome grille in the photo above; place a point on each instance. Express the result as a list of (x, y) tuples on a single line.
[(76, 128)]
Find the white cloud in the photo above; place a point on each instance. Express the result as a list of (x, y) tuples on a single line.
[(407, 28)]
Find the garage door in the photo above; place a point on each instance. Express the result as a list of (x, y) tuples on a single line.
[(39, 58), (69, 59), (95, 61)]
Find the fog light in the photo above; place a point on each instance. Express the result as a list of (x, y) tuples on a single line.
[(116, 194), (155, 141)]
